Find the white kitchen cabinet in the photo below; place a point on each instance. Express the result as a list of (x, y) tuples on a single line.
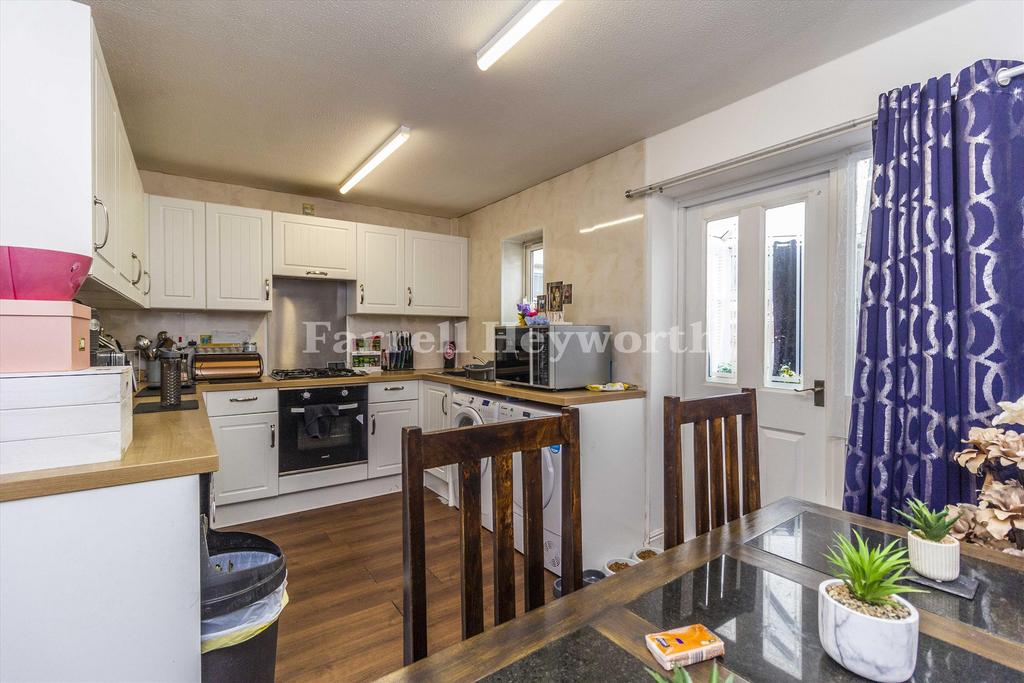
[(130, 221), (436, 274), (106, 253), (314, 247), (380, 262), (238, 258), (177, 253), (247, 448), (385, 442), (435, 406)]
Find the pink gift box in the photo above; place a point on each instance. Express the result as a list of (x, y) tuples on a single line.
[(43, 335)]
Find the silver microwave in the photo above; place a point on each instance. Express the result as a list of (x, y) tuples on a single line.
[(553, 357)]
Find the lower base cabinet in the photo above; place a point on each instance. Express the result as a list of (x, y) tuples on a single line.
[(247, 445), (385, 442)]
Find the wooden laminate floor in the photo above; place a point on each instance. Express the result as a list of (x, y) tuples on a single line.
[(344, 618)]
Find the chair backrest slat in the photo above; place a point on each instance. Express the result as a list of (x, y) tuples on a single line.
[(472, 557), (533, 530), (466, 447), (504, 539), (716, 461)]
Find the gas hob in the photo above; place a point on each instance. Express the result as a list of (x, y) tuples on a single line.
[(314, 373)]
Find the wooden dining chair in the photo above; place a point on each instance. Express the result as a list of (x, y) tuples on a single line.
[(716, 463), (466, 447)]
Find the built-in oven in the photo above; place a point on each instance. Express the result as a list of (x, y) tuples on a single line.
[(322, 427), (553, 357)]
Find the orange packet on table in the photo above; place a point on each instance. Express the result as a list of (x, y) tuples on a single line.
[(684, 646)]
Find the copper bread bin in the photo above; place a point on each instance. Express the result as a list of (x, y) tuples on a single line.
[(221, 366)]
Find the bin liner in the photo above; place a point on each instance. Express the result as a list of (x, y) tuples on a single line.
[(241, 625)]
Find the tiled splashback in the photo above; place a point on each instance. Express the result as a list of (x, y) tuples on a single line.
[(224, 326)]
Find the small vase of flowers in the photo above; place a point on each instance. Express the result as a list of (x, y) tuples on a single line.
[(934, 554), (862, 623)]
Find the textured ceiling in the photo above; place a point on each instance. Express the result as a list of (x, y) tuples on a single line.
[(293, 96)]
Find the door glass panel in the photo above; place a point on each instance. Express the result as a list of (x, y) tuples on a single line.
[(783, 294), (722, 252)]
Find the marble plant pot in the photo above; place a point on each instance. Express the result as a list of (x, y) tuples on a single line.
[(938, 561), (877, 649)]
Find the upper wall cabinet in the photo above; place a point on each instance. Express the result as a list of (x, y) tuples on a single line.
[(238, 258), (436, 274), (313, 247), (380, 287), (105, 234), (177, 249)]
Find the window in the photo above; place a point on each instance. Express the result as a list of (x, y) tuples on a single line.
[(783, 294), (721, 238), (859, 214), (534, 261)]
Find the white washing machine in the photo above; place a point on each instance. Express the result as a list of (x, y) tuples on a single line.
[(468, 409), (551, 486)]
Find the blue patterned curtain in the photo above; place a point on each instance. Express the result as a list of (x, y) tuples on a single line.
[(941, 330)]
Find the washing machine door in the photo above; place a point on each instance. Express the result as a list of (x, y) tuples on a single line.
[(466, 416)]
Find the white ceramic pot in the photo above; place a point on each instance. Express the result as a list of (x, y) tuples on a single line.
[(877, 649), (933, 560)]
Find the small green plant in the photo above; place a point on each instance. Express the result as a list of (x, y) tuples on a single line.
[(681, 675), (872, 575), (933, 526)]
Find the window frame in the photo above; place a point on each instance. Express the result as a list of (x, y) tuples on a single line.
[(529, 248)]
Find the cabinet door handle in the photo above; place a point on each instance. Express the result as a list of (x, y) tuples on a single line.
[(266, 285), (394, 388), (273, 436), (244, 399), (149, 282), (135, 257), (373, 425), (409, 290), (444, 402), (106, 222), (316, 272), (362, 293)]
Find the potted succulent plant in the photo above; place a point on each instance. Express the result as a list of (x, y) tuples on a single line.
[(862, 623), (934, 554)]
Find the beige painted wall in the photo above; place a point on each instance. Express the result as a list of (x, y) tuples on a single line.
[(238, 195), (605, 266)]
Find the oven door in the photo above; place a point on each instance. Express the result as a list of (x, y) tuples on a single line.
[(512, 354), (319, 435)]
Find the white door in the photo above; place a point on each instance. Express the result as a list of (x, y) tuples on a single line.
[(129, 262), (380, 261), (104, 175), (385, 448), (755, 284), (247, 447), (238, 258), (314, 247), (177, 253), (436, 273)]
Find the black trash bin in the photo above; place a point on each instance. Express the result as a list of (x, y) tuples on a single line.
[(242, 583)]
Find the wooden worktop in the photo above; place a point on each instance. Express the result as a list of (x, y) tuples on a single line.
[(572, 397), (180, 443)]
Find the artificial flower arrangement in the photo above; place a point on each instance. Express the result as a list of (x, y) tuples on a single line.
[(529, 315), (998, 519)]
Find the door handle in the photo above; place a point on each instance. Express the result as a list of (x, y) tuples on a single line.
[(316, 272), (819, 392), (373, 425), (409, 290), (135, 257), (96, 201), (273, 436), (444, 401), (394, 388), (266, 284), (149, 282), (343, 406), (244, 399), (362, 293)]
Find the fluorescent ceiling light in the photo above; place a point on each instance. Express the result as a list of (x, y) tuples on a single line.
[(383, 152), (609, 224), (522, 23)]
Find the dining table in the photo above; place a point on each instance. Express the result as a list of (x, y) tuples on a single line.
[(753, 582)]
